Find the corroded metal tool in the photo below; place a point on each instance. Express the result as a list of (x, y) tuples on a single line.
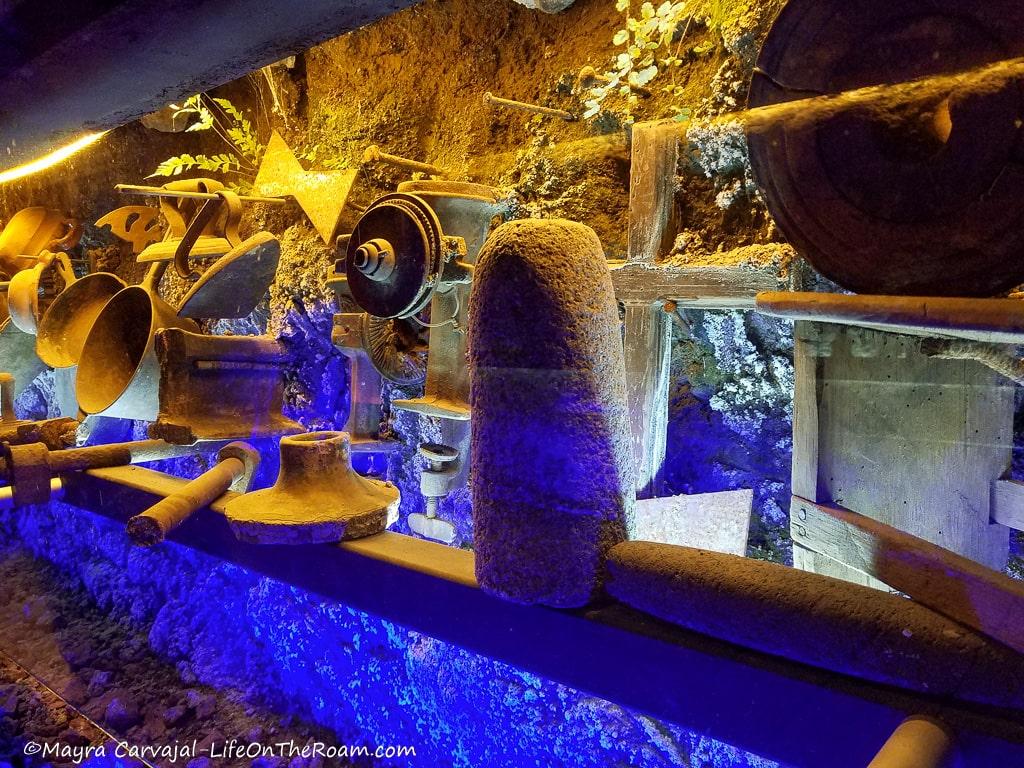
[(236, 463), (32, 470), (317, 498)]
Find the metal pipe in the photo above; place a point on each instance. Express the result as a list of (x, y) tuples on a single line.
[(136, 189), (918, 742), (153, 525), (373, 155), (495, 101)]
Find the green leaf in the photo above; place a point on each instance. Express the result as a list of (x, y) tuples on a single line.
[(644, 76), (620, 37)]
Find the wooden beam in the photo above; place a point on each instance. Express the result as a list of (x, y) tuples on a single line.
[(730, 693), (648, 358), (1008, 503), (136, 56), (989, 320), (697, 287), (961, 589), (654, 157)]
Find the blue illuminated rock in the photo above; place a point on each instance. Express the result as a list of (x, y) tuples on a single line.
[(552, 467)]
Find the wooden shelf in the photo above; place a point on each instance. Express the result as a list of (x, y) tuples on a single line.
[(997, 321), (608, 650)]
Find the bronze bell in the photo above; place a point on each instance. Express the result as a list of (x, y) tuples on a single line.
[(318, 497)]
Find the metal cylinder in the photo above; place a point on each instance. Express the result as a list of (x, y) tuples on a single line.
[(918, 742), (119, 374), (153, 525)]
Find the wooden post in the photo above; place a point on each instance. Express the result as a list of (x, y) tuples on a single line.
[(648, 329), (648, 340)]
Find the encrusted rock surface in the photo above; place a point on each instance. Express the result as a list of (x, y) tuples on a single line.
[(263, 644), (552, 463)]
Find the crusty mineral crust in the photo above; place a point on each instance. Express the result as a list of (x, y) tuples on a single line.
[(551, 459), (816, 620)]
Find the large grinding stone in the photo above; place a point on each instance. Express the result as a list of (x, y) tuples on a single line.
[(816, 620), (552, 466)]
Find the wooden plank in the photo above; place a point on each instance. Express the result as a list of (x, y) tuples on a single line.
[(805, 559), (612, 652), (990, 320), (648, 358), (697, 287), (806, 395), (654, 155), (911, 441), (961, 589), (1008, 503)]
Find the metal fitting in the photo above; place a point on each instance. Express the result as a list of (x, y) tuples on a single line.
[(375, 259), (436, 479)]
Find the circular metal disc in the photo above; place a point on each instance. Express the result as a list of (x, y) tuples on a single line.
[(908, 200), (412, 229)]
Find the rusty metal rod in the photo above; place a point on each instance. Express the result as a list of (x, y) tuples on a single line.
[(495, 101), (153, 525), (112, 455), (136, 189), (373, 155)]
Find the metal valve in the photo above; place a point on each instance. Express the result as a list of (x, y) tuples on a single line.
[(438, 478)]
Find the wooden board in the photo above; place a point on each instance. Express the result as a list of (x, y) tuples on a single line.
[(654, 154), (961, 589), (1008, 503), (999, 321), (905, 439), (697, 287), (648, 359)]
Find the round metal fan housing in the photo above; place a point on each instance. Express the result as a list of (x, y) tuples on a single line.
[(919, 198), (394, 349), (394, 257)]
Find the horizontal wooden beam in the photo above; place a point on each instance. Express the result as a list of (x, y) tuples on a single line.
[(1008, 503), (697, 287), (136, 56), (772, 707), (954, 586), (997, 321)]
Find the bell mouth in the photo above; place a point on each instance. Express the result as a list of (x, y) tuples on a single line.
[(66, 323), (115, 349)]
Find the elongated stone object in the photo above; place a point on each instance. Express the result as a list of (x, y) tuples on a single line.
[(552, 468), (816, 620)]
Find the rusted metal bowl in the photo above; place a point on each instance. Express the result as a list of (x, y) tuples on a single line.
[(66, 323)]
